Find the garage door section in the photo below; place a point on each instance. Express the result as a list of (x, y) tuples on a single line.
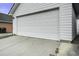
[(40, 25)]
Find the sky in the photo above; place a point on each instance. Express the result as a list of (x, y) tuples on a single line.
[(5, 7)]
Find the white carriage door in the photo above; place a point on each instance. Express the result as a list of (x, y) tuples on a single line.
[(40, 25)]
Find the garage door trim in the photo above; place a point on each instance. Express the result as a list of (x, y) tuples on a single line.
[(37, 12)]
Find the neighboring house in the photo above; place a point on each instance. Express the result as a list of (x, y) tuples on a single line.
[(56, 21), (5, 23)]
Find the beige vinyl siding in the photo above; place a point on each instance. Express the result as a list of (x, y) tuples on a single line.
[(66, 22)]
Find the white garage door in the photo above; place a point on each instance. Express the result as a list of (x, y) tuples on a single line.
[(40, 25)]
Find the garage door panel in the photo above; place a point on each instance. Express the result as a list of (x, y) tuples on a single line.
[(43, 24)]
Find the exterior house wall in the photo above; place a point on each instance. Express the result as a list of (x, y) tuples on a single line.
[(65, 22), (65, 17), (6, 22)]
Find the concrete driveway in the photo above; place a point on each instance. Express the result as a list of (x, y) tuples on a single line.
[(27, 46)]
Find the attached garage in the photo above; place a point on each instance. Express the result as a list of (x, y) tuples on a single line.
[(54, 21)]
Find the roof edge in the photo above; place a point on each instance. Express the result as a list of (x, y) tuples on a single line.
[(13, 9)]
